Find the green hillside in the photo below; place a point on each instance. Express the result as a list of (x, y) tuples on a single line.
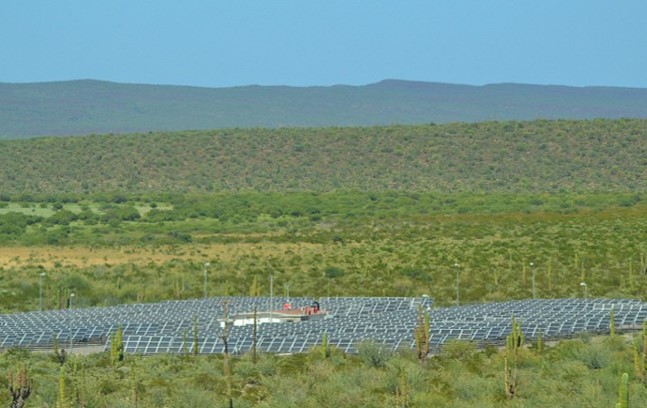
[(87, 107), (538, 156)]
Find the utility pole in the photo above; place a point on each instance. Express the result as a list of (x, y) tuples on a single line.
[(225, 361)]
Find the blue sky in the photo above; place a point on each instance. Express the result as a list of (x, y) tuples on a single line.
[(218, 43)]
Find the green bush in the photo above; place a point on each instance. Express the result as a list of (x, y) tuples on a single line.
[(333, 272), (373, 354)]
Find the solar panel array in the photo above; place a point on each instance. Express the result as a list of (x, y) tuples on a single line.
[(550, 318), (168, 327)]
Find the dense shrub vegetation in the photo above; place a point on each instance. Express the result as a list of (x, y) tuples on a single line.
[(539, 156), (576, 373), (131, 248)]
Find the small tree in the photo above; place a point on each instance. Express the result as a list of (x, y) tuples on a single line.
[(59, 353), (19, 387), (373, 354)]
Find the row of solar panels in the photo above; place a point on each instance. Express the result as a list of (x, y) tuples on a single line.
[(165, 326), (210, 345)]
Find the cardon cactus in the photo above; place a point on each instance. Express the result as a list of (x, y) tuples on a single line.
[(623, 392), (421, 335)]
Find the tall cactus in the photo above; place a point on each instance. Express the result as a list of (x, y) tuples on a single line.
[(421, 335), (515, 339), (185, 344), (623, 392), (134, 392), (196, 342), (514, 342), (255, 337), (402, 391), (117, 346), (80, 386), (325, 348), (639, 369), (509, 379), (61, 402), (255, 287), (612, 323), (645, 344), (640, 360), (645, 352)]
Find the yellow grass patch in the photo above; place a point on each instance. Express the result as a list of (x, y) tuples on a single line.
[(49, 256)]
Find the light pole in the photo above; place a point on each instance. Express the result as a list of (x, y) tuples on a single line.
[(40, 291), (586, 289), (534, 290), (71, 331), (206, 265), (287, 292), (458, 291), (271, 297), (425, 299)]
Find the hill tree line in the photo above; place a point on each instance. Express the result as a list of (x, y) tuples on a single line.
[(537, 156)]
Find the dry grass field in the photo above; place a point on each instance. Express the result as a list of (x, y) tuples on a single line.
[(80, 256)]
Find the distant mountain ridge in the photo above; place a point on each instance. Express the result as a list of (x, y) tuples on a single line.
[(98, 107)]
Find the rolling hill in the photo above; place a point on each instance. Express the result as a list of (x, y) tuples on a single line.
[(536, 156), (96, 107)]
